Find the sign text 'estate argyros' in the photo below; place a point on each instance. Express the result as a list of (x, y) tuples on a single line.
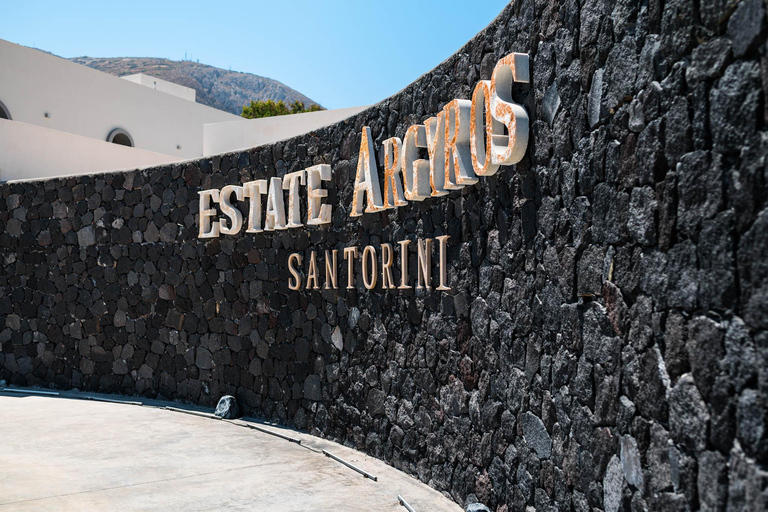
[(468, 139)]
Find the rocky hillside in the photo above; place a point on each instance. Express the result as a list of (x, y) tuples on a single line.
[(216, 87)]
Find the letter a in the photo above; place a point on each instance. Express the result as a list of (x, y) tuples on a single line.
[(367, 179)]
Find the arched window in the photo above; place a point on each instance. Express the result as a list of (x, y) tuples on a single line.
[(4, 114), (120, 136)]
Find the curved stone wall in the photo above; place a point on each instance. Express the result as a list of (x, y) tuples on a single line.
[(604, 344)]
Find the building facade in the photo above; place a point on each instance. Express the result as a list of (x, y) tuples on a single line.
[(65, 109)]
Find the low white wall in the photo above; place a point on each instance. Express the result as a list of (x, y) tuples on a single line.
[(249, 133), (29, 152), (87, 102)]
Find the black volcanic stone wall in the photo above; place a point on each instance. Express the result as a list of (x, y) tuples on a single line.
[(605, 346)]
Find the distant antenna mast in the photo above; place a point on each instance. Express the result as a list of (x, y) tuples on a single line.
[(185, 54)]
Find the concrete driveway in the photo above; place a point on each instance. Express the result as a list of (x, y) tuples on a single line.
[(63, 453)]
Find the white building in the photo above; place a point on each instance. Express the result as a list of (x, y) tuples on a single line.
[(60, 118)]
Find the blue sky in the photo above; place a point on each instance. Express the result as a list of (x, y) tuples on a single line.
[(339, 53)]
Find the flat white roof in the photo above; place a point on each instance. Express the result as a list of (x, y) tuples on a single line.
[(158, 84)]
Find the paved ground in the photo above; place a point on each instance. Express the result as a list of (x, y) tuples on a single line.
[(59, 453)]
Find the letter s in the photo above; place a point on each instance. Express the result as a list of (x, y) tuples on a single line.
[(296, 283), (510, 148)]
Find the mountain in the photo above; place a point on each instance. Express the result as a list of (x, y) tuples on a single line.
[(216, 87)]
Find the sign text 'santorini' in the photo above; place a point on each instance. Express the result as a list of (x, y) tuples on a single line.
[(466, 140)]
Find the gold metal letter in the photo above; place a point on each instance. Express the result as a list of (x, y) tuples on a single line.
[(350, 254), (331, 267), (253, 190), (291, 184), (436, 149), (275, 216), (424, 247), (393, 188), (296, 284), (235, 217), (387, 282), (443, 239), (312, 272), (510, 148), (415, 169), (404, 265), (481, 131), (317, 212), (369, 254), (208, 229), (458, 157), (367, 179)]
